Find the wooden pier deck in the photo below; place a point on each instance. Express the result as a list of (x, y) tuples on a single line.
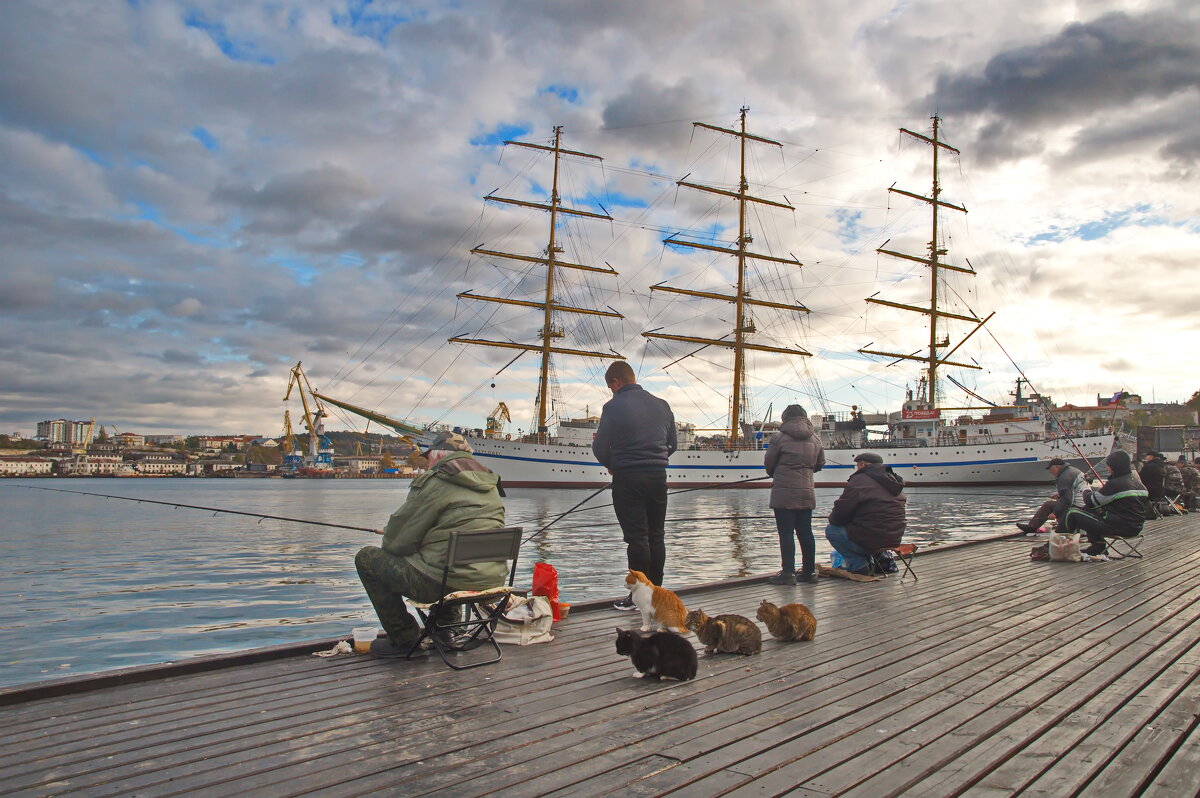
[(992, 675)]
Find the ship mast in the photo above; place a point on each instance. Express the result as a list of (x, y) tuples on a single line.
[(742, 301), (932, 359), (549, 306)]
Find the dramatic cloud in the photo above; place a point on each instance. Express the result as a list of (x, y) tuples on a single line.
[(196, 196)]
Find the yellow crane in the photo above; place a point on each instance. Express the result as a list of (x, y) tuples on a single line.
[(497, 419), (320, 452)]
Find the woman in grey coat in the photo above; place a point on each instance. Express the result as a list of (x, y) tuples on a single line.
[(793, 456)]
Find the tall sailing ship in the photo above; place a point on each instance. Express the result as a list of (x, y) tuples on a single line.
[(923, 441)]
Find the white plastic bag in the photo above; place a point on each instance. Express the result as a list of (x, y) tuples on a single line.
[(525, 622), (1064, 547)]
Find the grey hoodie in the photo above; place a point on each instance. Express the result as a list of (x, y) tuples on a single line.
[(793, 456)]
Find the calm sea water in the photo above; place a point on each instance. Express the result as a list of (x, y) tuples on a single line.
[(93, 584)]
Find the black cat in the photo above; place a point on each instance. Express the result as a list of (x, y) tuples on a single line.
[(658, 655)]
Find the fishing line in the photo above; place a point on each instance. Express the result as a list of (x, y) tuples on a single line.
[(610, 504), (214, 510)]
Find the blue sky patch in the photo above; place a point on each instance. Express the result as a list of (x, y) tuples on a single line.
[(149, 213), (236, 49), (305, 273), (207, 139), (362, 19), (568, 94), (500, 135), (849, 229), (1135, 216)]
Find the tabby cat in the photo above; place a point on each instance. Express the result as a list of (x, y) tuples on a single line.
[(725, 634), (789, 622), (657, 604), (658, 655)]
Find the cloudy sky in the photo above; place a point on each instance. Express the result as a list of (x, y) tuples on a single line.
[(197, 195)]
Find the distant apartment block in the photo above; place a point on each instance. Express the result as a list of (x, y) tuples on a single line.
[(129, 440), (71, 433), (163, 440), (25, 466), (216, 443)]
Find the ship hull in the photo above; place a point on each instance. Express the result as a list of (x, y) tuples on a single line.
[(532, 465)]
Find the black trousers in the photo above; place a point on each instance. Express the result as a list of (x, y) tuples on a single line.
[(640, 501), (1095, 527)]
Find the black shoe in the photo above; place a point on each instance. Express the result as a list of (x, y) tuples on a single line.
[(1028, 529), (626, 604), (1092, 551), (806, 576), (782, 578), (384, 647)]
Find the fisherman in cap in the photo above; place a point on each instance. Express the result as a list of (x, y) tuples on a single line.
[(1070, 486), (869, 515), (456, 492)]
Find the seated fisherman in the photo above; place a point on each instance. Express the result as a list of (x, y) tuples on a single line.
[(1070, 485), (1191, 482), (1153, 473), (1118, 509), (456, 492), (869, 515)]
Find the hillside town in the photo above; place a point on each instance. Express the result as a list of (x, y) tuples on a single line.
[(67, 448)]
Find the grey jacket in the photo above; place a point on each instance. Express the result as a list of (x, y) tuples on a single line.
[(793, 456), (1071, 487)]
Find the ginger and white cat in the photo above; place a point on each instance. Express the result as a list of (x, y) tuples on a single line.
[(657, 604), (789, 622)]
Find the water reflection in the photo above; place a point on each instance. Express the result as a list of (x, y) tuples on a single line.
[(119, 583)]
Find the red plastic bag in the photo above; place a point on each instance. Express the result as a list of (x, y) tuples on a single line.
[(545, 583)]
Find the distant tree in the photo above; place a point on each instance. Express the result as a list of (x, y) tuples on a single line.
[(102, 436), (192, 443), (1194, 402), (386, 461)]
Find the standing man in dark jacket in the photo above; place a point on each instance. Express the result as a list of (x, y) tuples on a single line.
[(1116, 510), (1070, 485), (869, 515), (634, 441), (793, 456)]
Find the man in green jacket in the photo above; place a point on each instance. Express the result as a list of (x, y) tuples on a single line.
[(456, 492)]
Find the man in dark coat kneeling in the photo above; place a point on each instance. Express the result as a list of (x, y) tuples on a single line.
[(869, 515)]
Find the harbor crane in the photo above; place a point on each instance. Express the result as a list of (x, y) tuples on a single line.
[(497, 419), (320, 452)]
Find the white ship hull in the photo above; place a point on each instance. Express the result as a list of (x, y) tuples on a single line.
[(533, 465)]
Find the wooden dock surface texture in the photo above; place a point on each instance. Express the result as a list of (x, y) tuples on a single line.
[(992, 675)]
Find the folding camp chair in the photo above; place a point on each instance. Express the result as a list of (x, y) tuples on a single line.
[(1119, 548), (903, 552), (466, 619)]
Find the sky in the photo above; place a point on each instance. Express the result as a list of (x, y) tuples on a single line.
[(197, 195)]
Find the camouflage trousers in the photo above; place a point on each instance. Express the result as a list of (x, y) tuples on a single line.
[(388, 580)]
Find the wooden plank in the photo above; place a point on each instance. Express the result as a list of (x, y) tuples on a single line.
[(566, 717)]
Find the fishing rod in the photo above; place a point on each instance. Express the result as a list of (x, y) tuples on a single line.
[(560, 516), (213, 510), (610, 504)]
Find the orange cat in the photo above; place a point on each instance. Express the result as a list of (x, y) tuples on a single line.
[(789, 622), (657, 604)]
